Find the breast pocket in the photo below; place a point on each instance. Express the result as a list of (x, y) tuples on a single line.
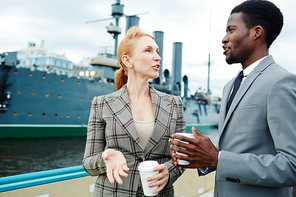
[(247, 107)]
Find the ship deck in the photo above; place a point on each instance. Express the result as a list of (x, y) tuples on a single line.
[(17, 131)]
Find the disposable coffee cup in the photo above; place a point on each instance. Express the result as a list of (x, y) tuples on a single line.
[(180, 161), (146, 170)]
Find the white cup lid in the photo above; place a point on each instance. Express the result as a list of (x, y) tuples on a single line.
[(186, 134), (147, 165)]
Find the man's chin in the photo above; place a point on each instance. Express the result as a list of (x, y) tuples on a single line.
[(231, 60), (228, 61)]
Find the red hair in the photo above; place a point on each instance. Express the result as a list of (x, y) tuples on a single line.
[(125, 48)]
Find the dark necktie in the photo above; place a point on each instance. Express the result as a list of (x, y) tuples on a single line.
[(237, 83)]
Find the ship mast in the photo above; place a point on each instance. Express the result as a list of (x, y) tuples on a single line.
[(209, 59), (208, 85), (115, 30), (117, 13)]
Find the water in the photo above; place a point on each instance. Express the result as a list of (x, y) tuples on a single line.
[(25, 155)]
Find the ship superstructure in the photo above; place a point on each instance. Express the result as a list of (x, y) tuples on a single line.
[(45, 94)]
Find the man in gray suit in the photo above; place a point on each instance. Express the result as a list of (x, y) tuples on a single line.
[(256, 154)]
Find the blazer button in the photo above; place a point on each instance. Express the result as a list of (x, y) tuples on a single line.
[(140, 159), (228, 179)]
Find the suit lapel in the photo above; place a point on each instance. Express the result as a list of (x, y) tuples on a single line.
[(119, 107), (245, 86), (162, 107)]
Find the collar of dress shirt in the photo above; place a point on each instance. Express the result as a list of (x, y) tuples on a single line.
[(250, 68)]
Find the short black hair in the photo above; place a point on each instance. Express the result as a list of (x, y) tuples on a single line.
[(263, 13)]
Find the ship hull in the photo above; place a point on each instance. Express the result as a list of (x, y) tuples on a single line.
[(42, 104), (49, 99)]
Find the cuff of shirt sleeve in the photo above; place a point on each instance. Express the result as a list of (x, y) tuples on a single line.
[(204, 170)]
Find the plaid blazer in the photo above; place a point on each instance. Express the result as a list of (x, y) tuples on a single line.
[(111, 125)]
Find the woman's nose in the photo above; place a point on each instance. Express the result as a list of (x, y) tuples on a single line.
[(157, 57)]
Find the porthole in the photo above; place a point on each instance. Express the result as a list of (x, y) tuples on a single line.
[(43, 114), (43, 76), (68, 115), (78, 82), (96, 85), (62, 79), (15, 113), (56, 115), (81, 98), (79, 116), (103, 86), (33, 92), (90, 100), (19, 91), (87, 83), (59, 96), (15, 71), (47, 95), (30, 74), (30, 114)]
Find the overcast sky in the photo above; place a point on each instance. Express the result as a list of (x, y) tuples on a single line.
[(198, 24)]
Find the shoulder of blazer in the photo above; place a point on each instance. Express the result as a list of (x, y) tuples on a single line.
[(165, 96), (264, 64), (122, 93), (272, 70), (116, 95)]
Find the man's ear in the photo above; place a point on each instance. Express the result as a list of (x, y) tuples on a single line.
[(258, 32), (126, 61)]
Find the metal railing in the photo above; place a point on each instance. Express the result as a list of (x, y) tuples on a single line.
[(42, 177)]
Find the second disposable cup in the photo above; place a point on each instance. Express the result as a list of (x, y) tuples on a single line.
[(180, 161), (146, 170)]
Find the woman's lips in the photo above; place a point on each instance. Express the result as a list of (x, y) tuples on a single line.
[(156, 67)]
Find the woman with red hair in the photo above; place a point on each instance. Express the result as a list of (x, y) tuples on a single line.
[(133, 124)]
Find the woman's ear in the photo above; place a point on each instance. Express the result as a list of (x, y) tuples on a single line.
[(126, 61)]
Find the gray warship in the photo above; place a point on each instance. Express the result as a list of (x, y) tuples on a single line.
[(45, 94)]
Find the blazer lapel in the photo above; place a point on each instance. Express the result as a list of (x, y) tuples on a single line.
[(242, 90), (162, 107), (119, 106)]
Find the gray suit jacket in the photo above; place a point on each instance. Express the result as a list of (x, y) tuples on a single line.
[(111, 125), (258, 135)]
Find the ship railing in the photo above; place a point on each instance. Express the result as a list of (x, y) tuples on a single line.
[(90, 74), (43, 177)]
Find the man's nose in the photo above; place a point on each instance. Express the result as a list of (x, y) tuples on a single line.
[(225, 39)]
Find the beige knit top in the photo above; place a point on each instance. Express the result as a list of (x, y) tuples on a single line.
[(144, 129)]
